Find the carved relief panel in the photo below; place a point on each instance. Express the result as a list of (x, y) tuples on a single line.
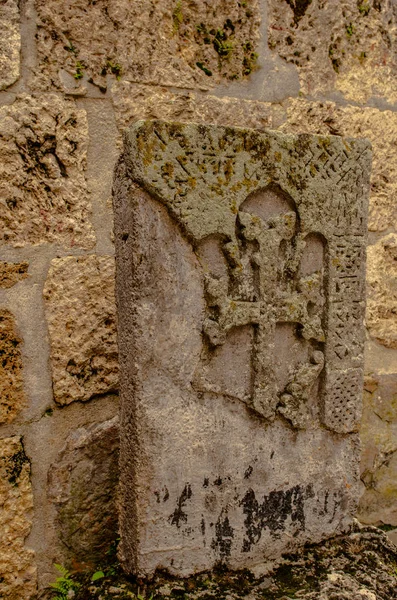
[(253, 323)]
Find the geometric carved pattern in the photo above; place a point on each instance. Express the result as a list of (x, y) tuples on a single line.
[(341, 411)]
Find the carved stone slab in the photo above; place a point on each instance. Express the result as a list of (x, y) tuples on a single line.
[(240, 288)]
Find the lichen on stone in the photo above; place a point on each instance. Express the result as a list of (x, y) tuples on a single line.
[(176, 43)]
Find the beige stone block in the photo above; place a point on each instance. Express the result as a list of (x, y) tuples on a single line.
[(12, 397), (339, 44), (80, 309), (378, 504), (134, 102), (175, 43), (43, 189), (12, 273), (17, 566), (381, 313), (378, 126), (10, 43)]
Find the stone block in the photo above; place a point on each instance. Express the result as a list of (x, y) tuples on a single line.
[(240, 288), (174, 43), (43, 189), (379, 126), (338, 45), (10, 43), (381, 314), (133, 102), (12, 273), (80, 310), (378, 504), (12, 396), (17, 566), (82, 483)]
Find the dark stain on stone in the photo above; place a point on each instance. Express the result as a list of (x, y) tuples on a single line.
[(224, 535), (15, 465), (272, 454), (273, 513), (157, 494), (248, 472), (202, 526), (179, 514), (166, 494), (299, 8), (218, 481), (206, 482)]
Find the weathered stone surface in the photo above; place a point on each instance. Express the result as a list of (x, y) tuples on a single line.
[(177, 43), (10, 43), (134, 102), (338, 44), (378, 126), (80, 309), (43, 190), (378, 432), (240, 288), (17, 568), (381, 316), (12, 273), (12, 397), (83, 484)]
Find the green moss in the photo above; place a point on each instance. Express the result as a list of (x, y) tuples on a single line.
[(177, 17), (363, 8), (79, 74), (349, 30)]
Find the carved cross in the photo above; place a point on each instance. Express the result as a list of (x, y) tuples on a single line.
[(280, 297)]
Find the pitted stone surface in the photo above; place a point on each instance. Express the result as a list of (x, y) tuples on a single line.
[(12, 396), (173, 43), (338, 45), (43, 188), (10, 43), (381, 314), (17, 566), (240, 289), (133, 102), (12, 273), (80, 310)]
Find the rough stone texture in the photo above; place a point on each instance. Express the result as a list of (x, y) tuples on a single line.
[(80, 309), (173, 42), (12, 273), (357, 566), (378, 433), (338, 44), (378, 126), (43, 190), (381, 316), (134, 102), (239, 293), (12, 397), (10, 43), (17, 568), (83, 485)]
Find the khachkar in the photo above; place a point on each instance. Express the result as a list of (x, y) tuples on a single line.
[(240, 286)]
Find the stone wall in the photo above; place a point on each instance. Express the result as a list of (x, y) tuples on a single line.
[(73, 75)]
